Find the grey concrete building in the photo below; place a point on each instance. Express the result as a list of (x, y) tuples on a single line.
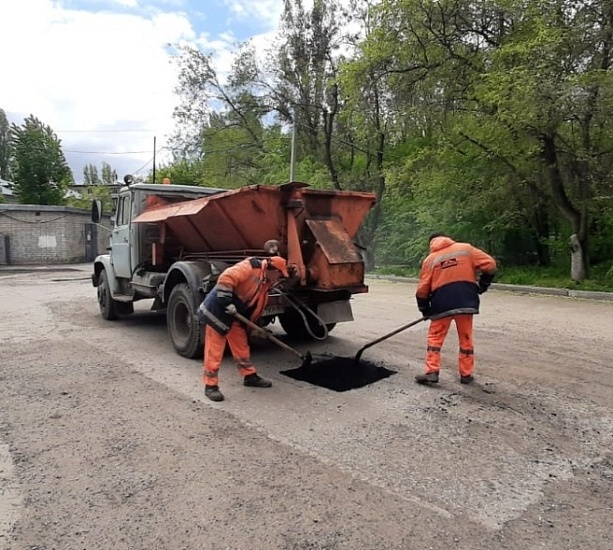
[(36, 235)]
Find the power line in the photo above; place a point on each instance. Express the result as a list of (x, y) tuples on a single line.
[(143, 166), (107, 131), (106, 152)]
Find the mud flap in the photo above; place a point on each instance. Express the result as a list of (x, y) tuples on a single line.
[(335, 312)]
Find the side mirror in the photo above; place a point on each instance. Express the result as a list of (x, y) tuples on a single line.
[(128, 179), (96, 211)]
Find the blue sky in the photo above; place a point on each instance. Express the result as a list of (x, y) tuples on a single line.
[(99, 71)]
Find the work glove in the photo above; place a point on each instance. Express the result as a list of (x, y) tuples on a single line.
[(231, 309), (424, 307), (201, 314), (485, 280)]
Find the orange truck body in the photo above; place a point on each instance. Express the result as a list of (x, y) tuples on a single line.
[(315, 228)]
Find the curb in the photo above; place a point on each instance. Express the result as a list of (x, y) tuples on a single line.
[(22, 270), (525, 289), (544, 291), (48, 268)]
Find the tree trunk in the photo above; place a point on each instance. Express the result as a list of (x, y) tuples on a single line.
[(577, 265), (541, 235), (577, 218)]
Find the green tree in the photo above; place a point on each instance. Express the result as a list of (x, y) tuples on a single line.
[(5, 146), (90, 175), (221, 147), (40, 172), (109, 175), (486, 119), (517, 88), (97, 191)]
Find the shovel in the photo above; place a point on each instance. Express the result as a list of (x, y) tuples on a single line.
[(306, 359), (386, 336)]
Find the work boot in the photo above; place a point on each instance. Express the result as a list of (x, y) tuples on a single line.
[(256, 381), (213, 393), (467, 379), (427, 378)]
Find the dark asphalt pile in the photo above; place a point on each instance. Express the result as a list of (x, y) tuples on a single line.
[(339, 373)]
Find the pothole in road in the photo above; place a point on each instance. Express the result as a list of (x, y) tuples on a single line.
[(340, 373)]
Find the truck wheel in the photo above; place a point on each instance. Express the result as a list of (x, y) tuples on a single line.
[(108, 306), (293, 324), (185, 331)]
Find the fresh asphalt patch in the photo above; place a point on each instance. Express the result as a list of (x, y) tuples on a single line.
[(340, 373)]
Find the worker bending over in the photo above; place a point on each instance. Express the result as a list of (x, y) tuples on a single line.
[(241, 288)]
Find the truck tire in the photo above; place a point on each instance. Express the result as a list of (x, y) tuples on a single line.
[(186, 333), (108, 306), (293, 325)]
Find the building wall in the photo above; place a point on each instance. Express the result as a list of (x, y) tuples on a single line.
[(48, 234)]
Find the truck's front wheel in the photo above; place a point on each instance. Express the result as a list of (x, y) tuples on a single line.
[(184, 329), (108, 308)]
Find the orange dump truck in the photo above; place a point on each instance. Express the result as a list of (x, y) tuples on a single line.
[(170, 242)]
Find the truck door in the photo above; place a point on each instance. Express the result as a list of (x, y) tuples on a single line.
[(120, 239)]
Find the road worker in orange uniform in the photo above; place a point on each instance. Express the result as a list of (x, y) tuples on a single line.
[(448, 290), (242, 288)]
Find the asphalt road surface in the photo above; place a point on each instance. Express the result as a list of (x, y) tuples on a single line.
[(107, 440)]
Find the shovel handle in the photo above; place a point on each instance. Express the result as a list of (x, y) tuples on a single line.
[(386, 336), (269, 336)]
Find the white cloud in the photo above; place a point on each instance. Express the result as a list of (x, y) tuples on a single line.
[(267, 11), (103, 80), (126, 3), (80, 71)]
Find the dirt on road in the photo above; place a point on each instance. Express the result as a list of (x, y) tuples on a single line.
[(107, 441)]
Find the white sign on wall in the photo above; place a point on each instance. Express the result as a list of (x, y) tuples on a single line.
[(47, 241)]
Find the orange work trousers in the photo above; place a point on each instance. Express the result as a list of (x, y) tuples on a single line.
[(215, 346), (436, 337)]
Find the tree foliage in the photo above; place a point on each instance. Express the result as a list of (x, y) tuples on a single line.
[(5, 146), (40, 172), (487, 119), (90, 174)]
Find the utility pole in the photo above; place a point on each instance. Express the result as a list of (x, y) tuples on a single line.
[(292, 162), (154, 146)]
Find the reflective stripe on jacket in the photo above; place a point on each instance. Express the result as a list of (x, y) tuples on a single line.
[(448, 277), (245, 285)]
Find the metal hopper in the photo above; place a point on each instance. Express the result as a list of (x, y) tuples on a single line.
[(315, 228)]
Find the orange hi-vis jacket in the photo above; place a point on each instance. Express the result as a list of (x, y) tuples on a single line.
[(448, 278), (245, 285)]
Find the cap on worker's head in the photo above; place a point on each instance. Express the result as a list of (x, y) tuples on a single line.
[(272, 247), (278, 263), (437, 234)]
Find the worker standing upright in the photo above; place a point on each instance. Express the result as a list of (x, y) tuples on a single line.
[(448, 290), (241, 288)]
